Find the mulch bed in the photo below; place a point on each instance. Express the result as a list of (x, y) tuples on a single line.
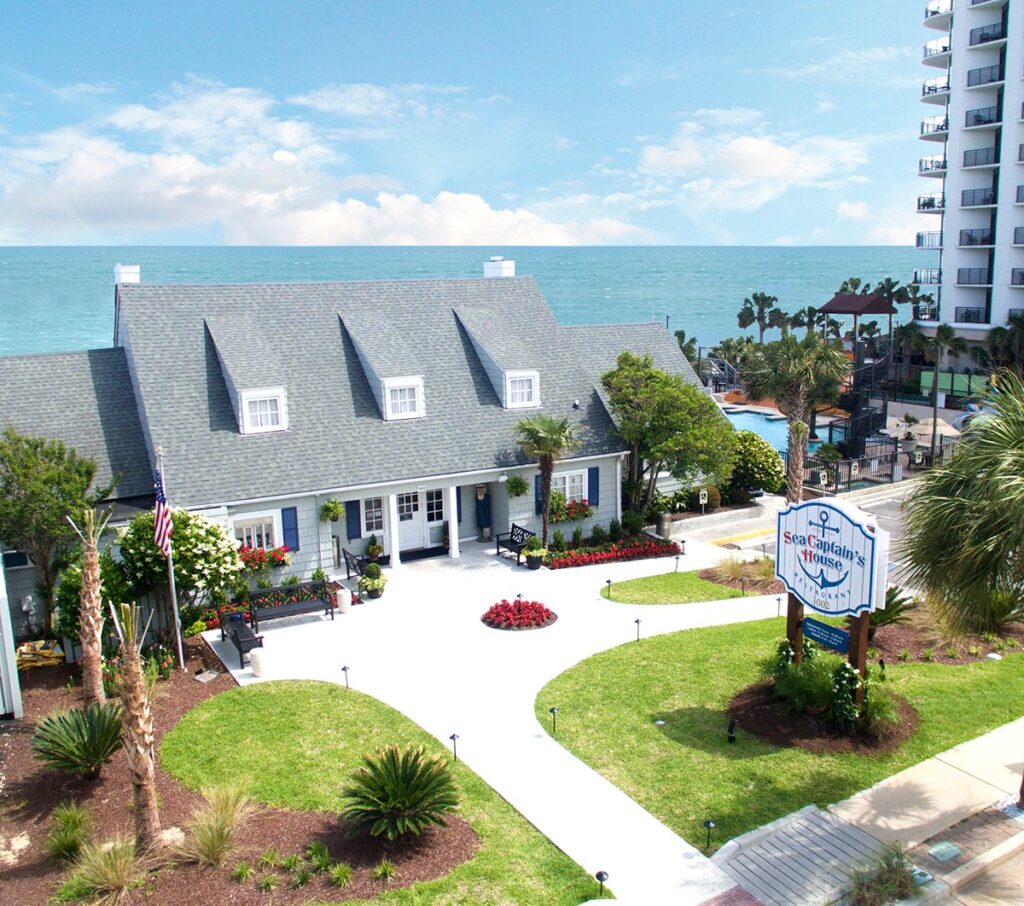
[(909, 641), (756, 710), (29, 792), (774, 587)]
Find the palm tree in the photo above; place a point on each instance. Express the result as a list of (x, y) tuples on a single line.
[(944, 342), (779, 320), (918, 299), (137, 725), (794, 373), (891, 291), (90, 608), (755, 311), (734, 350), (545, 438), (805, 317), (687, 346)]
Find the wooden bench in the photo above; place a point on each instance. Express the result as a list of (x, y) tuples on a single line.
[(241, 636), (514, 540), (289, 601)]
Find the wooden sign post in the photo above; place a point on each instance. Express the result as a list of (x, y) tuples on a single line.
[(795, 626), (858, 657)]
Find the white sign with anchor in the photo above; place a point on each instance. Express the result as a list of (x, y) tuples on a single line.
[(832, 556)]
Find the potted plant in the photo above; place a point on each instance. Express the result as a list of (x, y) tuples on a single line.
[(372, 581), (332, 510), (907, 441), (516, 486), (374, 549), (535, 552)]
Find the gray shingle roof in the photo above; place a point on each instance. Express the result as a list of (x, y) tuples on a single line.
[(245, 349), (84, 399), (336, 436)]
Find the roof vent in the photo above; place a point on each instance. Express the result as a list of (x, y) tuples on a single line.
[(127, 273), (497, 266)]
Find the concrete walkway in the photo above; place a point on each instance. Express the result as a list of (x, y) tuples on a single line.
[(423, 650)]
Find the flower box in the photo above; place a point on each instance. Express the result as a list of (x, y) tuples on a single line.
[(643, 547)]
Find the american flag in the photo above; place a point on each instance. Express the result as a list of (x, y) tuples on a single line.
[(163, 527)]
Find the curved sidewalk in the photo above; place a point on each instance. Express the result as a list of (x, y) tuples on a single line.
[(423, 650)]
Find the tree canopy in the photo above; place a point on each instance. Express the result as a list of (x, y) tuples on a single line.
[(669, 425)]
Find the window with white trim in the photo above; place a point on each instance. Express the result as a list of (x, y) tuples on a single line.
[(522, 389), (572, 484), (435, 505), (373, 515), (258, 532), (264, 410), (403, 398)]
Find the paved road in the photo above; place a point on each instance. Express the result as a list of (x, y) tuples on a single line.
[(998, 887)]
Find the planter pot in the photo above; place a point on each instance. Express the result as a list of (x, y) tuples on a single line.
[(374, 592), (907, 445), (534, 562)]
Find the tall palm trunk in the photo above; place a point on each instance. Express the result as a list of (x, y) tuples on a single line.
[(935, 404), (795, 451), (90, 607), (137, 727), (547, 469)]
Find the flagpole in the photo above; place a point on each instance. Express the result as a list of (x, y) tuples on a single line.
[(170, 568)]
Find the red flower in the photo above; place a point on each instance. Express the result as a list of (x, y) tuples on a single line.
[(517, 614)]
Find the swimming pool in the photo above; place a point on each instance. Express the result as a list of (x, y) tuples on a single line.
[(775, 431)]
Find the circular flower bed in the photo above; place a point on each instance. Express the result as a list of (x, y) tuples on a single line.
[(519, 615)]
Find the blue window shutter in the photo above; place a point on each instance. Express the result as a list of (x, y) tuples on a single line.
[(594, 486), (536, 495), (290, 527), (458, 505), (353, 520)]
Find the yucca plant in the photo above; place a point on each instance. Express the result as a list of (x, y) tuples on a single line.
[(898, 607), (103, 872), (399, 793), (79, 741), (210, 834), (69, 832)]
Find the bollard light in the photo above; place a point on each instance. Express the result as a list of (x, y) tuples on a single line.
[(601, 876), (743, 584), (637, 621), (455, 750), (677, 563), (709, 826), (608, 582), (731, 732), (519, 596), (778, 606), (345, 671), (554, 719), (881, 666)]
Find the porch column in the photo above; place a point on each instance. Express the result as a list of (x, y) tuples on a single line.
[(453, 523), (618, 489), (396, 559)]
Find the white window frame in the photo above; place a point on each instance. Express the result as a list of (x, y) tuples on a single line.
[(534, 402), (426, 506), (271, 516), (264, 393), (560, 482), (367, 530), (414, 382), (28, 564)]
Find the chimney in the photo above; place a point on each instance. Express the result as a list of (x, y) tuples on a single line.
[(127, 273), (497, 266)]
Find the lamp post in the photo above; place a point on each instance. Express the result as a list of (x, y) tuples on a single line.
[(637, 621), (709, 826), (743, 584), (677, 563), (730, 733), (778, 606), (608, 582), (345, 671), (601, 877), (455, 750), (554, 720)]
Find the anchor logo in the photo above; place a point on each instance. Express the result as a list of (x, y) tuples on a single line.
[(823, 525), (820, 579)]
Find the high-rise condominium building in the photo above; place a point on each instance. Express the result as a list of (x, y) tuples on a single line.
[(973, 165)]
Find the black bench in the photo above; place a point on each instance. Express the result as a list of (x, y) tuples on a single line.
[(241, 636), (289, 601), (514, 540), (354, 564)]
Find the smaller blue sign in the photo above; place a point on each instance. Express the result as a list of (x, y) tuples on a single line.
[(829, 636)]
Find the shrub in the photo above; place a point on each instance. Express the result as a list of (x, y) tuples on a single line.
[(577, 536), (300, 877), (904, 654), (898, 607), (293, 579), (951, 651), (974, 651), (776, 665), (372, 571), (731, 569), (632, 522), (739, 496), (714, 499), (558, 541), (103, 872), (889, 880), (533, 543), (807, 687), (615, 530), (384, 871), (318, 856), (270, 858), (268, 881), (400, 793), (340, 874), (210, 833), (517, 615), (879, 714), (242, 872), (195, 629), (78, 741), (757, 465), (69, 832), (843, 712), (597, 534), (633, 549), (318, 575), (928, 655), (292, 863), (828, 453)]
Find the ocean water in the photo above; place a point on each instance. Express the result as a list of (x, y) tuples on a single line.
[(55, 299)]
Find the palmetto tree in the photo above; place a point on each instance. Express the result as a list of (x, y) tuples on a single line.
[(945, 341), (795, 372), (805, 317), (90, 610), (780, 320), (755, 310), (137, 724), (687, 346), (546, 438)]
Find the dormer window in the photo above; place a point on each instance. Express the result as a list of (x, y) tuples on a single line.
[(403, 398), (264, 410), (522, 389)]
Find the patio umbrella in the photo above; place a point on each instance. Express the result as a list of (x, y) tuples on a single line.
[(923, 429), (894, 427)]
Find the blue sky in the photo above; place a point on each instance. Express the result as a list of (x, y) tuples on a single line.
[(318, 123)]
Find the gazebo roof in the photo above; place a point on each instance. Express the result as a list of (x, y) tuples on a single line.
[(851, 304)]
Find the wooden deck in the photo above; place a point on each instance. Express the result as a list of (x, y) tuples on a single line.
[(808, 859)]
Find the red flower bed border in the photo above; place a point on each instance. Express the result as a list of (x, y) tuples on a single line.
[(515, 616), (642, 548)]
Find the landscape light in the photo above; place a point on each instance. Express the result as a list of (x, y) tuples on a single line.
[(778, 606), (554, 719), (881, 666), (709, 826), (677, 563), (637, 621), (743, 584), (455, 750), (601, 876), (608, 582), (345, 671), (731, 731)]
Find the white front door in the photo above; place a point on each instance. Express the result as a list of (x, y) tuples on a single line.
[(410, 521)]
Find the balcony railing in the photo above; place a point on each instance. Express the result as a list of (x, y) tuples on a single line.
[(934, 48), (969, 315), (933, 124), (984, 76), (926, 275), (981, 157), (1020, 194), (932, 202), (1016, 279), (935, 86), (982, 116), (926, 312), (1018, 235), (937, 8), (971, 198), (973, 276), (1020, 153), (934, 164), (977, 238), (994, 32), (930, 240)]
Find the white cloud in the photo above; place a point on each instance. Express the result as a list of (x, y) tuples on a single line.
[(564, 144), (852, 210), (681, 154), (379, 102), (80, 91), (871, 65), (824, 106)]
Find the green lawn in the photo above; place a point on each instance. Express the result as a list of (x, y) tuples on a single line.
[(297, 742), (670, 588), (685, 771)]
